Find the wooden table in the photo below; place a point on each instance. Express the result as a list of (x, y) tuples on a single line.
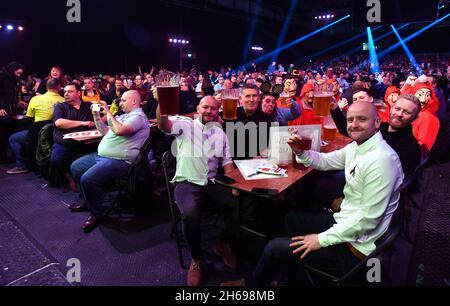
[(281, 184)]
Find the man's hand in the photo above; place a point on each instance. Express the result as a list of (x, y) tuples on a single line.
[(88, 124), (2, 113), (342, 103), (23, 104), (294, 143), (306, 243)]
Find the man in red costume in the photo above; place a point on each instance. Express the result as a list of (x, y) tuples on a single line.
[(306, 101), (426, 126), (392, 94)]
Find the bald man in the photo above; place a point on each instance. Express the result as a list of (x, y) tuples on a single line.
[(202, 147), (337, 242), (123, 138)]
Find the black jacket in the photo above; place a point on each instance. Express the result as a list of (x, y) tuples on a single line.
[(403, 141), (8, 86)]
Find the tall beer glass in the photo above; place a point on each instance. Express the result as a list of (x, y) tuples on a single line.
[(168, 89), (230, 99)]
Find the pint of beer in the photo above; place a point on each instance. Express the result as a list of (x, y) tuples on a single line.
[(329, 128), (230, 99), (168, 90), (283, 99), (169, 99), (322, 103)]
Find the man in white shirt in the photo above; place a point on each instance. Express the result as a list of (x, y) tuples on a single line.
[(336, 242), (202, 147)]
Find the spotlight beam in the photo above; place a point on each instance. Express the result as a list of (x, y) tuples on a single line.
[(374, 65), (408, 52), (414, 35), (293, 43), (317, 54), (286, 24), (251, 31), (355, 50)]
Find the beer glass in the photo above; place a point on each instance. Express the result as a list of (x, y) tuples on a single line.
[(305, 145), (168, 89), (230, 99), (329, 128), (284, 96), (323, 93)]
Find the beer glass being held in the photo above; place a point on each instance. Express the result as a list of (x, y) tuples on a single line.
[(168, 93), (299, 144), (230, 99)]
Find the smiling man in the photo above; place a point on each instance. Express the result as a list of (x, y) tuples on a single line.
[(337, 242)]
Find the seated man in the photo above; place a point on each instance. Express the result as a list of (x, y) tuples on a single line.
[(123, 138), (249, 133), (41, 109), (71, 116), (202, 148), (336, 242)]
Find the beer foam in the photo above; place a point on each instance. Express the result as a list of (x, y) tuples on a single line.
[(323, 94)]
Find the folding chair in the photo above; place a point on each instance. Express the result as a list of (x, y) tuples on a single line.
[(383, 244)]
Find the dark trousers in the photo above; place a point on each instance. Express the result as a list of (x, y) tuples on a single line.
[(63, 156), (193, 200), (278, 257)]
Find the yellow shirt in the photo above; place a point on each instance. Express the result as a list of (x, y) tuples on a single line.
[(94, 98), (41, 107)]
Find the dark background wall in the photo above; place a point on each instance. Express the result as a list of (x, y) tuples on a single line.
[(118, 36)]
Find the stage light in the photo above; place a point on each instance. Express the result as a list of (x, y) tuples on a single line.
[(374, 64), (189, 55), (1, 27), (332, 16), (328, 16), (183, 41), (324, 16), (284, 30), (187, 42), (414, 35), (170, 40), (320, 17), (315, 17), (10, 27), (408, 52), (20, 28), (257, 5), (293, 43)]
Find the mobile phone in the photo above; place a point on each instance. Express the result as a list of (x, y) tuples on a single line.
[(225, 179), (265, 191)]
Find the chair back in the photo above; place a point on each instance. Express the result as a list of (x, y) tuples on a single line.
[(169, 163)]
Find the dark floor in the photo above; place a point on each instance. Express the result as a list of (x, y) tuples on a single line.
[(39, 235)]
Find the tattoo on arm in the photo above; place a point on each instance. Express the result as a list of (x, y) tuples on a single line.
[(100, 125), (111, 125)]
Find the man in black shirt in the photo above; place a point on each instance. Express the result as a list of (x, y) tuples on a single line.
[(398, 132), (73, 115), (248, 135)]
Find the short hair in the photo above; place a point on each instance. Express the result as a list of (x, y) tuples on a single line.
[(250, 86), (367, 91), (53, 84), (413, 99), (77, 86)]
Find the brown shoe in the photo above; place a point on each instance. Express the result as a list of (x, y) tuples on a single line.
[(236, 283), (194, 276), (90, 224), (224, 250)]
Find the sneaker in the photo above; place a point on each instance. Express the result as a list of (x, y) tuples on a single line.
[(236, 283), (224, 251), (17, 170), (194, 276)]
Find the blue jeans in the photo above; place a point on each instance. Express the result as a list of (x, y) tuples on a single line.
[(17, 143), (92, 172)]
